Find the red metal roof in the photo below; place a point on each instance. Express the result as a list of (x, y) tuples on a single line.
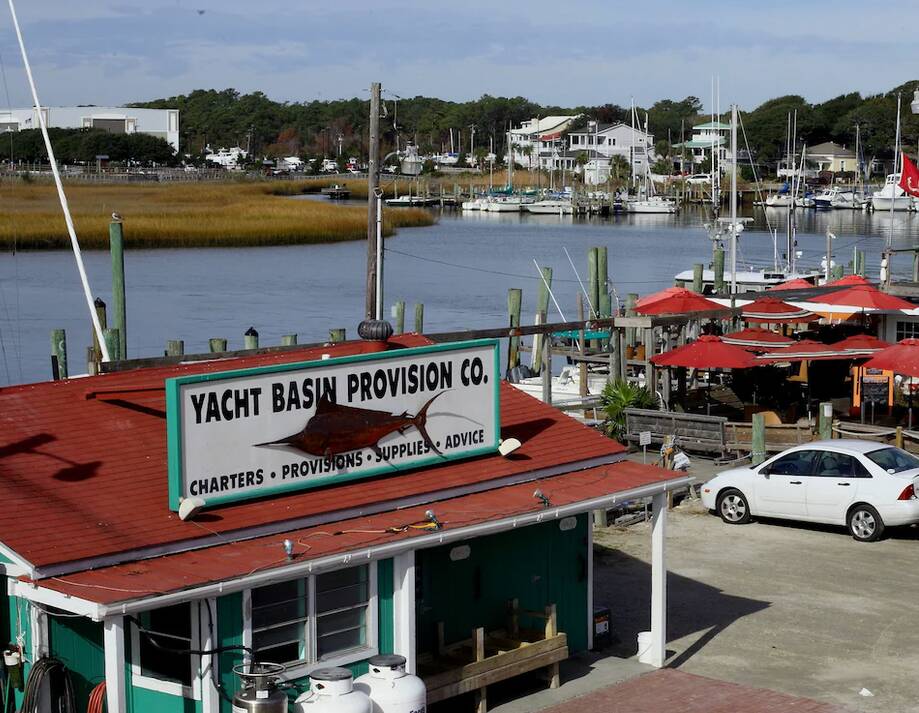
[(83, 470), (229, 560)]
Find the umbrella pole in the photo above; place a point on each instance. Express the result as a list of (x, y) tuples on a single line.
[(708, 395), (909, 403)]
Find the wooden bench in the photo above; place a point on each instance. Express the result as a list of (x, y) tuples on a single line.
[(690, 431), (471, 665)]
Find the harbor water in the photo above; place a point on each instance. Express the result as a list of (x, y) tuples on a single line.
[(460, 269)]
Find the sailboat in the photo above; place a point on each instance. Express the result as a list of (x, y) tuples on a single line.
[(891, 197), (646, 201)]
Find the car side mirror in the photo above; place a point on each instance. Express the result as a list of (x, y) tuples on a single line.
[(765, 471)]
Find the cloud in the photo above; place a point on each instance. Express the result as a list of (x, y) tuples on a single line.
[(577, 53)]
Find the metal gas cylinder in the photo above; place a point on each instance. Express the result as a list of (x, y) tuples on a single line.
[(332, 691), (390, 688), (259, 693)]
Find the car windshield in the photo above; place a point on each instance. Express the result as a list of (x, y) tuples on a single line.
[(893, 460)]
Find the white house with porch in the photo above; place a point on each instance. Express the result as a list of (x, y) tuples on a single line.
[(708, 139), (537, 136)]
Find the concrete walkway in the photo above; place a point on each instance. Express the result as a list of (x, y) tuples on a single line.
[(671, 691)]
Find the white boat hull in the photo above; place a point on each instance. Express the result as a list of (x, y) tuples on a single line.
[(650, 206), (900, 203), (550, 208)]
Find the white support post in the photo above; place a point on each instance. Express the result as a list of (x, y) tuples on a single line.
[(210, 696), (113, 639), (38, 626), (404, 607), (658, 653), (590, 582)]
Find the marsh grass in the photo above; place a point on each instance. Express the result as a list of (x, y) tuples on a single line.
[(182, 215)]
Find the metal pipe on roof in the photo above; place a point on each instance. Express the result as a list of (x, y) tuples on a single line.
[(384, 551)]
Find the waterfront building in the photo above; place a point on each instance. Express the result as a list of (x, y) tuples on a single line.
[(163, 123), (600, 143), (259, 501), (830, 156), (536, 136), (708, 140)]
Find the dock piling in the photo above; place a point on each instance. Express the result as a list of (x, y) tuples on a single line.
[(337, 335), (697, 277), (514, 299), (718, 260), (250, 338), (289, 340), (58, 354), (419, 318), (398, 314), (217, 345), (593, 281), (605, 304), (175, 347), (101, 312), (758, 439), (116, 247), (825, 421)]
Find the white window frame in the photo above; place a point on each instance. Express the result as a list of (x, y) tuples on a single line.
[(302, 669), (173, 688)]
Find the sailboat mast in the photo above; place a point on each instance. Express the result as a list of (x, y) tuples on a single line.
[(74, 243), (733, 199), (893, 187)]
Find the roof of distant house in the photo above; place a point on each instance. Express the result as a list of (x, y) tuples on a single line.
[(830, 148)]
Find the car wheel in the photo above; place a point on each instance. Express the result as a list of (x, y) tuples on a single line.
[(865, 525), (733, 507)]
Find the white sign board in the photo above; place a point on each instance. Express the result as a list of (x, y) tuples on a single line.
[(254, 432), (644, 438)]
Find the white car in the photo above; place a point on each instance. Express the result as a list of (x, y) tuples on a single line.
[(697, 178), (863, 485)]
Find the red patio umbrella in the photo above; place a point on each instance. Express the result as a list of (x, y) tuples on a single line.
[(806, 350), (680, 301), (863, 296), (758, 339), (850, 280), (798, 283), (656, 296), (707, 352), (901, 358), (861, 343), (772, 310)]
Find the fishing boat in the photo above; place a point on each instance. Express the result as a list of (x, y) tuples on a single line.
[(891, 193), (551, 206)]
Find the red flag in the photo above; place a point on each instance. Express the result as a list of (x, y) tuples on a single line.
[(909, 178)]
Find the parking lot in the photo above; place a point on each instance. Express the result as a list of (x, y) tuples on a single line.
[(796, 608)]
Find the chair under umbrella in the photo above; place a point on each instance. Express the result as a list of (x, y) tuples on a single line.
[(900, 358), (772, 310), (708, 352), (680, 301)]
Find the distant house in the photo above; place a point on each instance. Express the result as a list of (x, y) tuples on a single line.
[(599, 143), (830, 156), (708, 139), (536, 136)]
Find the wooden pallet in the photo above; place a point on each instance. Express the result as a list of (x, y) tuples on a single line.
[(471, 665)]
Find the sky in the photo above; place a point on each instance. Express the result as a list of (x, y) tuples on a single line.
[(563, 53)]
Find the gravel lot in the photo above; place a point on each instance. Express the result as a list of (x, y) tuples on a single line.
[(796, 608)]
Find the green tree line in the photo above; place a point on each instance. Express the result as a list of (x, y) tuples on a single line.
[(320, 128), (84, 145)]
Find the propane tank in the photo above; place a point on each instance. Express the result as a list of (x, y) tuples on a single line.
[(390, 688), (260, 692), (332, 691)]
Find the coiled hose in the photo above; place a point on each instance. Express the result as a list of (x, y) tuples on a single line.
[(60, 686)]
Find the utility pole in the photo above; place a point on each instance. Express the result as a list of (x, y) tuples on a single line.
[(373, 183)]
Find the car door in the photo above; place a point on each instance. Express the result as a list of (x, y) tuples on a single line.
[(781, 485), (833, 487)]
